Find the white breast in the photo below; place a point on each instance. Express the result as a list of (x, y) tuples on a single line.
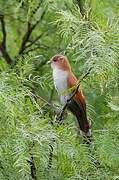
[(60, 82)]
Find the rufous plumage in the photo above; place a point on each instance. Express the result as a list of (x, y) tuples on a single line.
[(64, 79)]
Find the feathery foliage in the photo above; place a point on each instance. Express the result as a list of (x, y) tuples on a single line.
[(31, 32)]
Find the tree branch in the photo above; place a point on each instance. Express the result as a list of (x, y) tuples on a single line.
[(42, 16), (40, 46), (32, 163), (86, 13), (42, 99), (51, 149), (28, 33), (51, 96), (81, 7), (25, 38), (3, 48), (35, 40)]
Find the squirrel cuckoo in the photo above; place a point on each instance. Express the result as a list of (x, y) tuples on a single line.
[(63, 80)]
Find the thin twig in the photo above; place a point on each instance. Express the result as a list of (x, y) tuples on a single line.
[(51, 148), (37, 22), (51, 95), (25, 38), (35, 40), (31, 50), (36, 8), (28, 33), (39, 46), (33, 168), (81, 4), (41, 98), (32, 163)]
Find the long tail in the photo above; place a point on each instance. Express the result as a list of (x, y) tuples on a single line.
[(78, 110)]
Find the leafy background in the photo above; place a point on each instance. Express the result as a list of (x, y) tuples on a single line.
[(31, 32)]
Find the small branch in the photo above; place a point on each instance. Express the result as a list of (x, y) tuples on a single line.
[(25, 37), (42, 99), (40, 46), (30, 50), (28, 33), (32, 163), (51, 148), (81, 7), (3, 31), (42, 16), (51, 96), (36, 9), (3, 48), (35, 40), (33, 168), (86, 13)]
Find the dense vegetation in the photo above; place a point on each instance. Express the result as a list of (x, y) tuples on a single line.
[(32, 144)]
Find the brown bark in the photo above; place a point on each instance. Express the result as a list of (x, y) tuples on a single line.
[(3, 47)]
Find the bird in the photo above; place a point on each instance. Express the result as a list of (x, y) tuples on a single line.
[(64, 79)]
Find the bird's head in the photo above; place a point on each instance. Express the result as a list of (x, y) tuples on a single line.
[(60, 62)]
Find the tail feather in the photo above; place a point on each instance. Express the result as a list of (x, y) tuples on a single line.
[(78, 110)]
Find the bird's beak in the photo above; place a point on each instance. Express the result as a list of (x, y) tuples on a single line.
[(48, 62)]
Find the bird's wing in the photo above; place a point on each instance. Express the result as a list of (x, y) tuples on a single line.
[(78, 106), (72, 81)]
